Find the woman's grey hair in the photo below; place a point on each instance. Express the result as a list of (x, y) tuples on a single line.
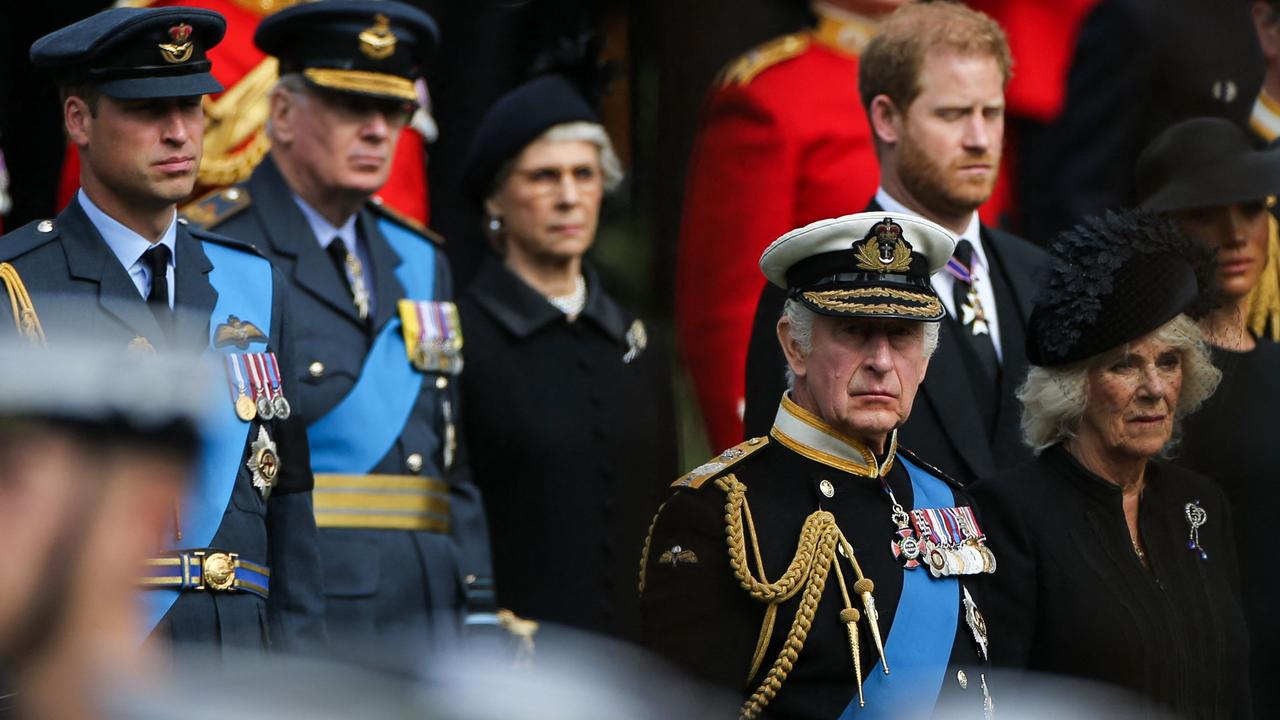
[(801, 318), (1054, 398), (594, 133)]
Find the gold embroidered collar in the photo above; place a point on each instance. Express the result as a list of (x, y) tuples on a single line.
[(809, 436), (1265, 119), (842, 30)]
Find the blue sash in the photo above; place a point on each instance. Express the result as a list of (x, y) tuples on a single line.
[(243, 282), (924, 628), (361, 429)]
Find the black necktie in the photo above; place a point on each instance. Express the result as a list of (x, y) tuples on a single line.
[(157, 258), (976, 332), (352, 272)]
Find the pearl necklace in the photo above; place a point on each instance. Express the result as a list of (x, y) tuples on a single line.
[(573, 303)]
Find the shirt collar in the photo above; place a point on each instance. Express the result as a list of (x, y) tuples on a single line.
[(973, 233), (127, 245), (810, 436), (523, 310), (324, 230)]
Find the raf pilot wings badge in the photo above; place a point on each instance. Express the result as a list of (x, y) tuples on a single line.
[(235, 332)]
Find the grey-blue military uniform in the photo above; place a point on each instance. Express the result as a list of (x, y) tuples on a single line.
[(411, 589), (66, 265)]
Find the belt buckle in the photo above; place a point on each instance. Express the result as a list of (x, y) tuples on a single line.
[(217, 570)]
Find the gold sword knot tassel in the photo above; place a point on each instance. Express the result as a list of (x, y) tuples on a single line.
[(864, 587), (850, 617)]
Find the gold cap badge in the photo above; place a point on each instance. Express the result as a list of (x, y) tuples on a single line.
[(883, 249), (378, 42), (179, 50)]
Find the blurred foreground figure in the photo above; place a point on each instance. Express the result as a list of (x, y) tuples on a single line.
[(853, 570), (96, 447), (239, 564)]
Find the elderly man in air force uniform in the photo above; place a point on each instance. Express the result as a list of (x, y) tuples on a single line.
[(852, 589)]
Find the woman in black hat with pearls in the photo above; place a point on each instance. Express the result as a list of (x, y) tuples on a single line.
[(1116, 565), (1209, 177), (568, 407)]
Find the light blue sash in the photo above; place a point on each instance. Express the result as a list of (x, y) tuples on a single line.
[(924, 628), (243, 282), (361, 429)]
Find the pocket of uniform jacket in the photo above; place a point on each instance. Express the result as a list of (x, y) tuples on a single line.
[(350, 564)]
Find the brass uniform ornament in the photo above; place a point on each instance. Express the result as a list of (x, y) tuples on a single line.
[(677, 555), (378, 42), (179, 51), (884, 251), (263, 462), (977, 624)]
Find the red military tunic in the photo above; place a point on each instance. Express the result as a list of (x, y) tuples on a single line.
[(784, 142)]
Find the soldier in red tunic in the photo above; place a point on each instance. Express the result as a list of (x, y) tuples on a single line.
[(784, 141)]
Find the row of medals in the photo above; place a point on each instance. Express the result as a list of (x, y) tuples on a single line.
[(969, 557), (268, 402)]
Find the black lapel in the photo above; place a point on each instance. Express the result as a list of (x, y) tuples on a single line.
[(289, 233), (1022, 284), (193, 293), (387, 290), (89, 258), (946, 387)]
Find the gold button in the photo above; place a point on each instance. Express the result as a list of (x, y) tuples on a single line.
[(45, 226), (218, 571), (442, 383), (316, 369), (827, 488), (413, 462), (962, 679)]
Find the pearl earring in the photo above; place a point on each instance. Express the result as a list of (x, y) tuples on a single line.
[(495, 224)]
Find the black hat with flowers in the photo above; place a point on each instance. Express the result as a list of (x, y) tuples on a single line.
[(1113, 279)]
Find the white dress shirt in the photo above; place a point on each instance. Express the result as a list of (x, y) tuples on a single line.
[(944, 283), (325, 232), (129, 246)]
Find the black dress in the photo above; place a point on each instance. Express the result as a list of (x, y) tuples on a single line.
[(1074, 599), (572, 440), (1232, 439)]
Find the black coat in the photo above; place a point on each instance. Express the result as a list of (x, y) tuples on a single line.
[(72, 265), (572, 445), (1074, 599), (697, 614), (1231, 439), (407, 589), (1138, 67), (945, 425)]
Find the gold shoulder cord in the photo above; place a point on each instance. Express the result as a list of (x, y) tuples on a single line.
[(820, 540), (1264, 299), (24, 312)]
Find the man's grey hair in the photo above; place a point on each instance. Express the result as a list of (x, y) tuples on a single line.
[(295, 84), (800, 317), (594, 133), (1055, 398)]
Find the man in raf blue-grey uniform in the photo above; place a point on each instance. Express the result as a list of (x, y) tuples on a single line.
[(241, 567), (403, 538), (850, 582)]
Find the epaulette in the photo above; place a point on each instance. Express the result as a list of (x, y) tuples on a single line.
[(27, 238), (378, 206), (931, 468), (721, 463), (215, 207), (762, 57)]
